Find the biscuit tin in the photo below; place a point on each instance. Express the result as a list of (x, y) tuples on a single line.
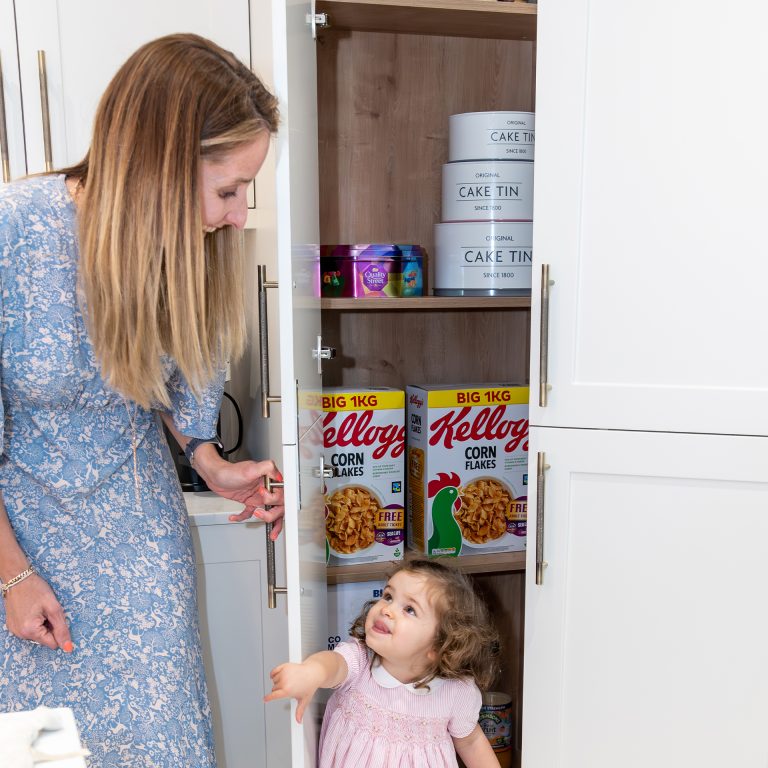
[(372, 270), (467, 468), (364, 443)]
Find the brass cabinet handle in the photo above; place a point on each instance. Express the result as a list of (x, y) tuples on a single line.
[(5, 159), (272, 590), (45, 110), (544, 385), (263, 284), (541, 564)]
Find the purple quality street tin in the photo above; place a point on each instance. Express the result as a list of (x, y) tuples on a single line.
[(371, 270)]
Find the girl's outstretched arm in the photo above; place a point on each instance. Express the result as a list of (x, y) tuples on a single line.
[(475, 750), (325, 669)]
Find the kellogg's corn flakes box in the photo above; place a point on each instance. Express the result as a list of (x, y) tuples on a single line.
[(467, 468), (364, 442)]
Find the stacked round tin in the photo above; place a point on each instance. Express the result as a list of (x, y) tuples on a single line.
[(483, 245)]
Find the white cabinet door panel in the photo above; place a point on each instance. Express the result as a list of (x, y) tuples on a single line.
[(646, 642), (14, 119), (86, 41), (242, 638), (299, 323), (296, 171), (306, 590), (650, 195)]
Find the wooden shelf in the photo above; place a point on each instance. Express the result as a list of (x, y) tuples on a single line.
[(493, 19), (426, 303), (501, 562)]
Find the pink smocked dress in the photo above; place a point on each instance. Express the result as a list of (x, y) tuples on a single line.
[(374, 721)]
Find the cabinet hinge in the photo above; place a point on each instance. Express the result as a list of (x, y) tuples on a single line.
[(317, 21)]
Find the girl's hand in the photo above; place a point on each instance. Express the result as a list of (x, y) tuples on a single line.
[(293, 681), (33, 613), (243, 481), (324, 669)]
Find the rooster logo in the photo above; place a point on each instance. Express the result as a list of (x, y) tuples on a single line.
[(446, 534)]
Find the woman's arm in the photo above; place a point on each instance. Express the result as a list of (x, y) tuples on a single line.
[(475, 750), (32, 611), (325, 669), (241, 481)]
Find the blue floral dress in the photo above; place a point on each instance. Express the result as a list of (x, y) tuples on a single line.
[(123, 572)]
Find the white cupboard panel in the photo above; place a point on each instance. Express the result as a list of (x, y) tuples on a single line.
[(298, 228), (86, 41), (242, 638), (649, 197), (14, 120), (645, 644), (306, 589)]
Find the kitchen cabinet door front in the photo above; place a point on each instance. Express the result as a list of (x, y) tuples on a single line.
[(241, 639), (650, 195), (646, 642), (85, 42), (297, 236), (13, 162)]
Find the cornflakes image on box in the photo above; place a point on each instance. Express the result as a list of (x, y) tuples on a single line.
[(467, 468)]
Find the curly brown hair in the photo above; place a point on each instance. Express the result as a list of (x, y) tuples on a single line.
[(467, 642)]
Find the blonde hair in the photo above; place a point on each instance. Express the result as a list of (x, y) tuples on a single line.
[(155, 286), (467, 642)]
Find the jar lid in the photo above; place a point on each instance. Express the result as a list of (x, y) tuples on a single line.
[(411, 250)]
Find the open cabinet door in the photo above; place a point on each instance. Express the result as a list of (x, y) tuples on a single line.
[(299, 318)]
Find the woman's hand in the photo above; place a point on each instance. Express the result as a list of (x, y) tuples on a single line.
[(243, 481), (33, 613)]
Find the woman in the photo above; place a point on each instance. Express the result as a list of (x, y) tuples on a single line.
[(121, 302)]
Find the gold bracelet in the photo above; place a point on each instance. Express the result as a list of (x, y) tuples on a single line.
[(16, 580)]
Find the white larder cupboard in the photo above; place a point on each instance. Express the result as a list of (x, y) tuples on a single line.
[(645, 641)]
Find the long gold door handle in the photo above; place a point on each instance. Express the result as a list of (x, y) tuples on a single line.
[(47, 146), (541, 467), (5, 159), (544, 385), (263, 285), (272, 589)]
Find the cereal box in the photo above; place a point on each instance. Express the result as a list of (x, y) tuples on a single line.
[(345, 603), (467, 468), (364, 442)]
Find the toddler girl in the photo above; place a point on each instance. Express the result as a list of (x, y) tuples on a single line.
[(406, 684)]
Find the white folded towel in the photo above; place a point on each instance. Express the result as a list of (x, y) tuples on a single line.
[(20, 730)]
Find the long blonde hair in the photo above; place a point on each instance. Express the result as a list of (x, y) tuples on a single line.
[(154, 284)]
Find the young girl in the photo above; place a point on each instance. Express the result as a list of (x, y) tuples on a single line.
[(406, 686)]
